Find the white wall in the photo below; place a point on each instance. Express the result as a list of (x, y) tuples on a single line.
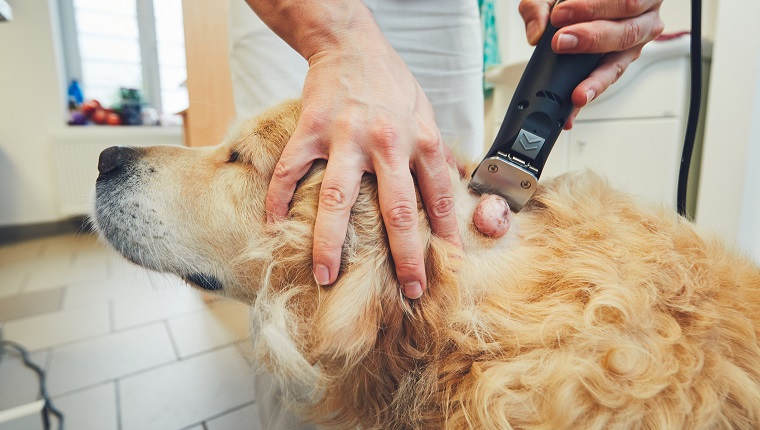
[(676, 14), (729, 191), (32, 107), (749, 224)]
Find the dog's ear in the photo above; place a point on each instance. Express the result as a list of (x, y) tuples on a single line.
[(260, 140), (275, 126)]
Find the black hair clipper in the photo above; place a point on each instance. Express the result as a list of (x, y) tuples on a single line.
[(535, 117)]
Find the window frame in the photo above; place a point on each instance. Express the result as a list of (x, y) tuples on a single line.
[(146, 28)]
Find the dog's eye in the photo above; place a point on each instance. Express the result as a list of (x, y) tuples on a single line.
[(234, 155)]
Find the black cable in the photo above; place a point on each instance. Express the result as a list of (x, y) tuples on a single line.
[(694, 105), (48, 408)]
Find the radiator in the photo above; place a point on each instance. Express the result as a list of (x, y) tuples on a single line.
[(75, 154)]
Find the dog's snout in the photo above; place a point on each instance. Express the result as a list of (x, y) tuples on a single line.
[(116, 157)]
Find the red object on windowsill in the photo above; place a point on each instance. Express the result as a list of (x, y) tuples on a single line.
[(113, 118), (99, 116)]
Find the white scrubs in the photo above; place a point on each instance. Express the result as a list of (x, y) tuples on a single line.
[(441, 43)]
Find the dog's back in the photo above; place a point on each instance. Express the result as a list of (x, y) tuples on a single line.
[(597, 313)]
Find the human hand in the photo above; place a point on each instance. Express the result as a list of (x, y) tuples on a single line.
[(618, 28), (363, 111)]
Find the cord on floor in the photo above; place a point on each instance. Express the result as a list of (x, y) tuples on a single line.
[(48, 408)]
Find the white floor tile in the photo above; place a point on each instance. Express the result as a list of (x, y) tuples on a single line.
[(108, 357), (185, 393), (155, 306), (220, 324), (11, 254), (10, 281), (246, 418), (90, 256), (16, 277), (31, 304), (60, 327), (90, 409), (103, 290), (57, 262), (58, 248), (29, 422), (68, 243), (46, 277)]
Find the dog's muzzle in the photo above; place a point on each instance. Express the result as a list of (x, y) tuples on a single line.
[(124, 214)]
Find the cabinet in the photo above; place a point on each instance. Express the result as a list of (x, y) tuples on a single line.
[(640, 156)]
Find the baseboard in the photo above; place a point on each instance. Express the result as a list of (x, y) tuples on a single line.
[(20, 233)]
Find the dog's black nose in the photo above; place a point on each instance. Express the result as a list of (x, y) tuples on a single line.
[(116, 157)]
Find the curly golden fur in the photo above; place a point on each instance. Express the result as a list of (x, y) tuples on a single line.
[(595, 311)]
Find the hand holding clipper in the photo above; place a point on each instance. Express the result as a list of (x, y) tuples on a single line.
[(535, 117)]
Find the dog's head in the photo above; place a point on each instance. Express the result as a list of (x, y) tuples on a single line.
[(199, 213), (192, 212)]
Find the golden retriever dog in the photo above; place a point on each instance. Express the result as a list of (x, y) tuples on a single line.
[(593, 311)]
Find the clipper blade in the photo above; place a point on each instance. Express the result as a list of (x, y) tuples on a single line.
[(497, 175)]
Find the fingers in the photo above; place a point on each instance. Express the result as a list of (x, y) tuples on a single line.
[(453, 162), (609, 70), (436, 191), (575, 11), (593, 26), (535, 14), (398, 205), (340, 188), (296, 159), (604, 36)]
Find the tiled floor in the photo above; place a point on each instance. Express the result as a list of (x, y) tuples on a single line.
[(124, 349)]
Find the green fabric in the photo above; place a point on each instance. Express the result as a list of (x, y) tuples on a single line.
[(491, 56)]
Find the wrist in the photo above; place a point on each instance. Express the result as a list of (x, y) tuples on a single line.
[(330, 26)]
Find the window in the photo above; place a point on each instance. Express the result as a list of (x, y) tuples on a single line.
[(111, 44)]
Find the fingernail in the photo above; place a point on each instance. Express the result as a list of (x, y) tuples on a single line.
[(531, 29), (413, 290), (590, 94), (321, 274), (566, 42)]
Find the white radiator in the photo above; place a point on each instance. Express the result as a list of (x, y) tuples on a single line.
[(75, 158)]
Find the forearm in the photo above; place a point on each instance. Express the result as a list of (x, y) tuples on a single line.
[(311, 26)]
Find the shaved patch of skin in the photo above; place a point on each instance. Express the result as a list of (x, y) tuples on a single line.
[(492, 216)]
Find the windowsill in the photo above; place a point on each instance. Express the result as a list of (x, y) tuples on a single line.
[(136, 131)]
